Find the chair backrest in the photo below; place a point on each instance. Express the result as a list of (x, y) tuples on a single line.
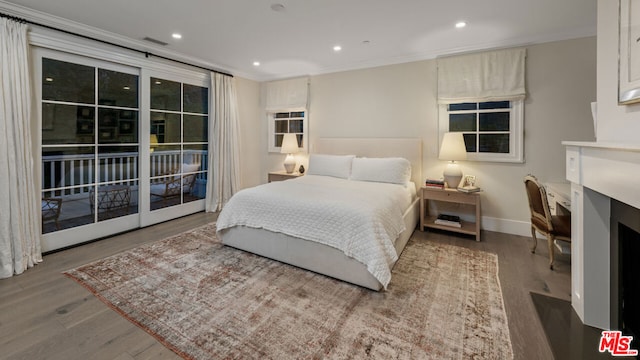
[(538, 203)]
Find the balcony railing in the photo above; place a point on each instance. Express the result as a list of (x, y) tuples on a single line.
[(74, 175)]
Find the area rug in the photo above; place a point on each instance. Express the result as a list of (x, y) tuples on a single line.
[(205, 300)]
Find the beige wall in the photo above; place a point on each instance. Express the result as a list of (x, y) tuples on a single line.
[(400, 101), (251, 138), (616, 123)]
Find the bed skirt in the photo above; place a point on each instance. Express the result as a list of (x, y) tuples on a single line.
[(314, 256)]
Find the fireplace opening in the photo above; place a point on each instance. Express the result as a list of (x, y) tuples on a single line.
[(625, 268)]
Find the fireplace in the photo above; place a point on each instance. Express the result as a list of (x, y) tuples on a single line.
[(602, 178), (625, 268)]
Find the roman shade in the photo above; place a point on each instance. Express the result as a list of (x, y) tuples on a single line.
[(291, 94), (486, 76)]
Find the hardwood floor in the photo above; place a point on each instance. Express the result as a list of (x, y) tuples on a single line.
[(45, 315)]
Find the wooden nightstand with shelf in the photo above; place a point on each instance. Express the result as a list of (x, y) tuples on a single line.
[(453, 196), (282, 175)]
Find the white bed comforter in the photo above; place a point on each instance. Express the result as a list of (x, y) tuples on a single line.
[(360, 218)]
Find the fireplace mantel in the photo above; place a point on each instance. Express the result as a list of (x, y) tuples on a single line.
[(598, 172), (611, 169)]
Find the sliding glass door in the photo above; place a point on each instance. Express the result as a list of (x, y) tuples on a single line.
[(120, 148)]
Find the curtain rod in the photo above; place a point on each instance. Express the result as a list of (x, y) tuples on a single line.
[(146, 53)]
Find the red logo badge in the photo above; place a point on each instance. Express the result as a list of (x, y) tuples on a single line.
[(617, 344)]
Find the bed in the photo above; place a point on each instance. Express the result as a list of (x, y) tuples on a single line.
[(337, 250)]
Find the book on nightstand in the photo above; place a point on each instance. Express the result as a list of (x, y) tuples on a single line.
[(435, 184), (448, 220)]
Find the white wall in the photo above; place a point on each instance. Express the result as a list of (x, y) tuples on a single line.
[(616, 123), (400, 101)]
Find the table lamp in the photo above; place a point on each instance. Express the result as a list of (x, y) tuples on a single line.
[(289, 147), (453, 149), (153, 142)]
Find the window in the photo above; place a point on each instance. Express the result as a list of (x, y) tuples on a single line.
[(286, 122), (492, 130)]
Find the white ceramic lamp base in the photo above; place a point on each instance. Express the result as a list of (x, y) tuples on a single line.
[(289, 163), (452, 175)]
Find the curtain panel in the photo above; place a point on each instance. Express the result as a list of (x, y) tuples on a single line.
[(20, 230), (288, 95), (224, 158), (487, 76)]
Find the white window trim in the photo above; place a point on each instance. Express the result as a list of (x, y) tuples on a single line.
[(305, 130), (516, 135)]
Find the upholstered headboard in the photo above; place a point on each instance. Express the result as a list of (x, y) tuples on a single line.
[(408, 148)]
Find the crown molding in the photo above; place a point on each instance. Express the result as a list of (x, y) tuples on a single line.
[(99, 34)]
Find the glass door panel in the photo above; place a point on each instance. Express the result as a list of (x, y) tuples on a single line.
[(67, 181), (90, 150), (179, 135), (196, 154)]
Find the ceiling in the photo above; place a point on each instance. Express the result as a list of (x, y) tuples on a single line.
[(297, 38)]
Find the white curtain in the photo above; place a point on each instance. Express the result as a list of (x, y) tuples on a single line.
[(19, 212), (487, 76), (224, 159)]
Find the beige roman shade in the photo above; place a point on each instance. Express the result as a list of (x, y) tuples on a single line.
[(291, 94), (486, 76)]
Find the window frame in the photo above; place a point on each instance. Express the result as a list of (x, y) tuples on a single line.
[(516, 132), (271, 120)]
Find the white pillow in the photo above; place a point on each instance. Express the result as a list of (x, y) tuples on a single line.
[(388, 170), (189, 168), (330, 165), (187, 178)]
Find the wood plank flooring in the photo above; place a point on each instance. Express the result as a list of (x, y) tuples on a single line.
[(45, 315)]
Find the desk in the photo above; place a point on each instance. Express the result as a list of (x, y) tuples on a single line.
[(559, 197)]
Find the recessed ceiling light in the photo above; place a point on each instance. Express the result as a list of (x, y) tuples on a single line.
[(126, 88), (49, 79), (158, 82), (337, 48), (461, 24), (256, 63), (366, 42), (176, 36)]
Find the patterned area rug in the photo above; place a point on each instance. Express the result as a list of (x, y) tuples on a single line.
[(204, 300)]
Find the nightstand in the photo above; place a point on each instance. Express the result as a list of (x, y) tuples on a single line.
[(453, 196), (282, 175)]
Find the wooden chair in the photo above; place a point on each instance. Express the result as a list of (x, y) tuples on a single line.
[(51, 210), (554, 227)]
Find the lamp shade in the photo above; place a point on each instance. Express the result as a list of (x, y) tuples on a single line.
[(289, 144), (153, 142), (453, 147)]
